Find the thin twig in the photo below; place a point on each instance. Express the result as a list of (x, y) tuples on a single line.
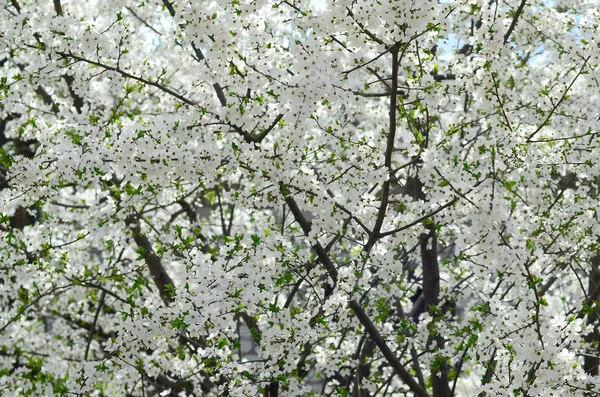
[(130, 76), (93, 325), (514, 21), (562, 98)]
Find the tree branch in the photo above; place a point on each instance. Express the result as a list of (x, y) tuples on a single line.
[(142, 21), (592, 361), (130, 76), (421, 219), (431, 292), (161, 278), (15, 4), (169, 7), (306, 227), (514, 21), (251, 138), (562, 98), (391, 137), (386, 351), (58, 8), (93, 325)]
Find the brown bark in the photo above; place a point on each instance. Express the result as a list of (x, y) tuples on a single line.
[(391, 358), (592, 359), (272, 390), (161, 278), (364, 369), (431, 292), (21, 218)]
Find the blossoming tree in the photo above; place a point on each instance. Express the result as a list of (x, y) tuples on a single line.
[(341, 198)]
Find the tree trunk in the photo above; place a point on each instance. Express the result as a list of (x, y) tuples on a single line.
[(431, 292), (592, 359)]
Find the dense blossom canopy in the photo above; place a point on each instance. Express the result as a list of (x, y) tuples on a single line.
[(334, 197)]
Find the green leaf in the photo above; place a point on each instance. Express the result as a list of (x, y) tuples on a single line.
[(141, 253), (179, 324), (509, 185), (256, 335)]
